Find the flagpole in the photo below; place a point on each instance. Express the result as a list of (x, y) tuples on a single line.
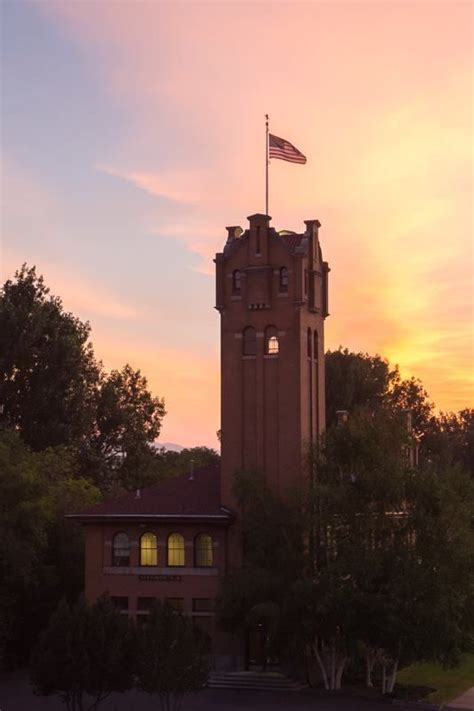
[(266, 164)]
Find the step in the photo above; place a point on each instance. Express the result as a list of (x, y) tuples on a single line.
[(265, 681)]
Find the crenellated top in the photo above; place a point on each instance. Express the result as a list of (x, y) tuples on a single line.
[(261, 263)]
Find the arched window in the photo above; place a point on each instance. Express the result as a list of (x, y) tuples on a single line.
[(236, 281), (283, 279), (309, 343), (203, 550), (121, 550), (249, 341), (272, 346), (175, 549), (316, 346), (148, 549)]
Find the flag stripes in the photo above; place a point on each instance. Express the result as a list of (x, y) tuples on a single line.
[(284, 150)]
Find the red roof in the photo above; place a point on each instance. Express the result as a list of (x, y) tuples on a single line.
[(292, 240), (179, 497)]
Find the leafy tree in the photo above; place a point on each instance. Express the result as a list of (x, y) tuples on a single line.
[(127, 421), (55, 392), (86, 651), (176, 463), (359, 380), (260, 592), (41, 557), (48, 372), (398, 543), (23, 532), (170, 657), (449, 439)]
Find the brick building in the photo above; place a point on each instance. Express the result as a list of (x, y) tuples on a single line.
[(176, 539)]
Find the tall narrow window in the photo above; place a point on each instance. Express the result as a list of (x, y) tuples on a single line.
[(121, 550), (316, 346), (249, 341), (272, 346), (148, 549), (236, 283), (175, 549), (283, 279), (309, 343), (203, 550), (306, 280), (257, 239)]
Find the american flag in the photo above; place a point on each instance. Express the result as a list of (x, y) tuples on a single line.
[(279, 148)]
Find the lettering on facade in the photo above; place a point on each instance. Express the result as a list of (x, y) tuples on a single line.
[(162, 578)]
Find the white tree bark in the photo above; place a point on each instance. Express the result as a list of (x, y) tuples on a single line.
[(340, 672), (369, 666), (393, 677), (321, 664)]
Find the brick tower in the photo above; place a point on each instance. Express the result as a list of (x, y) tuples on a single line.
[(272, 294)]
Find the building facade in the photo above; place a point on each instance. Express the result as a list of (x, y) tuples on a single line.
[(175, 540)]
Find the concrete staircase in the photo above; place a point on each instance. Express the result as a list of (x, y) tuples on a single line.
[(254, 680)]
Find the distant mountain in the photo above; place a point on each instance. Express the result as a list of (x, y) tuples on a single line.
[(171, 446)]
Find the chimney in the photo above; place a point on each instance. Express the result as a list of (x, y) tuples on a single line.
[(342, 416), (191, 470)]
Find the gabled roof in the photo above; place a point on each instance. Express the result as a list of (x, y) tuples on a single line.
[(195, 497)]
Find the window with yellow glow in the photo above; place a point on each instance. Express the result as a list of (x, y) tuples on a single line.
[(148, 549), (272, 346), (203, 554), (175, 549)]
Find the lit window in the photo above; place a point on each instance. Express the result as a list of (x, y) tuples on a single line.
[(308, 343), (271, 341), (249, 341), (121, 550), (175, 549), (148, 549), (283, 279), (236, 281), (203, 550)]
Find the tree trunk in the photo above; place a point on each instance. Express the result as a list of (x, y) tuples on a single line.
[(340, 672), (333, 664), (393, 677), (369, 665), (384, 678), (321, 665)]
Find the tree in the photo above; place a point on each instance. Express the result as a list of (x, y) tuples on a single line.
[(48, 372), (399, 543), (170, 657), (23, 532), (173, 463), (260, 592), (85, 651), (359, 380), (55, 393), (127, 422), (41, 557), (449, 439)]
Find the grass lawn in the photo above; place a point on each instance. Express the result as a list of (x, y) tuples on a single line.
[(449, 683)]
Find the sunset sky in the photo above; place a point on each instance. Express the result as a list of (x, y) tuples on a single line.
[(133, 132)]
